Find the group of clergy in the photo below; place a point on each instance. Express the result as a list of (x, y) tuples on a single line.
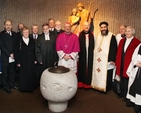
[(111, 58), (106, 57), (95, 60)]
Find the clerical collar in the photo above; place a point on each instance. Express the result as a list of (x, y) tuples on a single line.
[(46, 33), (86, 32), (68, 33), (58, 30)]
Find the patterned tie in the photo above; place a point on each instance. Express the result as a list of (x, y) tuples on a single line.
[(35, 36)]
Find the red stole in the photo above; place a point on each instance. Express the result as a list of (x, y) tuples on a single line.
[(128, 55)]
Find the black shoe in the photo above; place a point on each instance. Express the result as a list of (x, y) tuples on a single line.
[(137, 111), (8, 91), (129, 103), (124, 99), (119, 96), (14, 87)]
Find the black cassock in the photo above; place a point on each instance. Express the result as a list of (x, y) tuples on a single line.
[(85, 64), (59, 32), (111, 57), (25, 56), (0, 63), (45, 51), (135, 88)]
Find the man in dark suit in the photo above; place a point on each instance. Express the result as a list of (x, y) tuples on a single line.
[(20, 28), (52, 29), (0, 71), (34, 30), (7, 42), (51, 24), (35, 35)]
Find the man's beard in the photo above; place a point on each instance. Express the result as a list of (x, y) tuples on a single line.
[(20, 30), (104, 32)]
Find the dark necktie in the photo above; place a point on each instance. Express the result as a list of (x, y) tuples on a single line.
[(51, 29), (35, 37), (10, 34)]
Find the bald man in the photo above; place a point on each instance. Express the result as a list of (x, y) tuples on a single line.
[(7, 42), (86, 40), (121, 33)]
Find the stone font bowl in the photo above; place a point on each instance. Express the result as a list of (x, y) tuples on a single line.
[(58, 85)]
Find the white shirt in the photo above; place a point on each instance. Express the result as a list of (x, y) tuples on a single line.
[(9, 32), (128, 40), (51, 29), (118, 38), (10, 59), (87, 46), (26, 40), (47, 36)]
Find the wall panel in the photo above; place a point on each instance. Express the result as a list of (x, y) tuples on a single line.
[(115, 12)]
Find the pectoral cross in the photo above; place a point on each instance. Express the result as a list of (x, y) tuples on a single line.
[(99, 49), (66, 46)]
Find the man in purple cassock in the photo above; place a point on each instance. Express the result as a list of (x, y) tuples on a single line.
[(67, 47)]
